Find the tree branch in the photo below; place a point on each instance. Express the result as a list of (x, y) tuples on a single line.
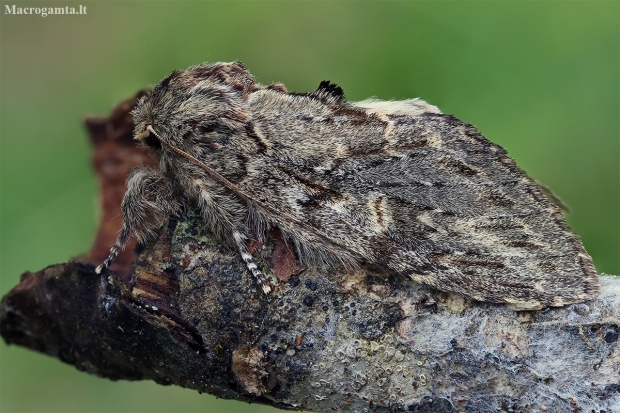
[(325, 339)]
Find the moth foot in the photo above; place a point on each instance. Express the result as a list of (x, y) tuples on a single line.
[(260, 277), (266, 287), (106, 263)]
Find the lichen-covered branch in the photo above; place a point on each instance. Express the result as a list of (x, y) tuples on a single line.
[(326, 339)]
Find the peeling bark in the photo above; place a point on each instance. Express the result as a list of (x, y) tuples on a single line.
[(324, 340)]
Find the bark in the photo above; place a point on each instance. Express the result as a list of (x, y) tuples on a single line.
[(326, 339)]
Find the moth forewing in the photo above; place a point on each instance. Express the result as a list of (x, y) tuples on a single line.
[(391, 183)]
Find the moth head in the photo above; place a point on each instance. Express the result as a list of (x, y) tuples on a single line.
[(197, 106)]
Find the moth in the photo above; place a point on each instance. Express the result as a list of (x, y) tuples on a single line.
[(393, 183)]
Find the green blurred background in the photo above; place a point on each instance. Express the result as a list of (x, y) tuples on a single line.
[(539, 78)]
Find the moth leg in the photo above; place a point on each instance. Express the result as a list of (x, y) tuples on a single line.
[(226, 217), (249, 261), (119, 245), (147, 204)]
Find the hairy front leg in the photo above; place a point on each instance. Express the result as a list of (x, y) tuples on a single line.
[(147, 205)]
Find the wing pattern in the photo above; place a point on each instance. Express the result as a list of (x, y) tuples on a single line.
[(421, 193)]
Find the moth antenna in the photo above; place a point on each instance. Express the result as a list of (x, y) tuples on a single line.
[(220, 178), (119, 245), (214, 174)]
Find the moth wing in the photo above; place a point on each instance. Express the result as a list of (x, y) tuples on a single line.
[(416, 191)]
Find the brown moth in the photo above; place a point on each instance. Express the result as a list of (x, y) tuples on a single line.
[(394, 183)]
